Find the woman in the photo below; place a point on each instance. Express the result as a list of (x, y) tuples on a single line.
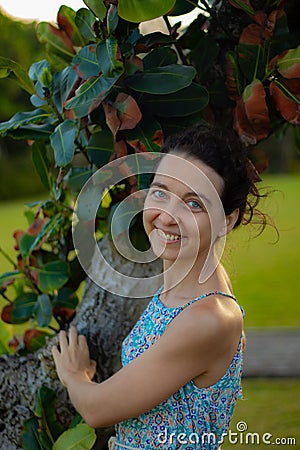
[(182, 361)]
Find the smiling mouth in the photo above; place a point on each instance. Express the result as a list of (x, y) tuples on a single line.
[(169, 237)]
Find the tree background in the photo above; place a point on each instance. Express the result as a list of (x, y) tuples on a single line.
[(238, 62)]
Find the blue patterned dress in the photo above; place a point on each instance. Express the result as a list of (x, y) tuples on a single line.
[(192, 418)]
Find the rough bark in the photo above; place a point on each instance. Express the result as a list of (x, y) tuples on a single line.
[(105, 319)]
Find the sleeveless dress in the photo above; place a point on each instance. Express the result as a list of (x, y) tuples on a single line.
[(192, 418)]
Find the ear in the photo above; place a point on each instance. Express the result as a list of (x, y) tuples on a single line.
[(230, 222)]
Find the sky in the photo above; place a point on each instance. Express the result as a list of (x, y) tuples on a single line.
[(37, 9), (47, 9)]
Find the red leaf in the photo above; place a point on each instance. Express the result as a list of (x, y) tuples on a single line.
[(261, 161), (253, 34), (30, 335), (158, 138), (288, 63), (257, 112), (242, 125), (120, 149), (129, 112), (14, 343), (64, 313), (34, 276), (65, 25), (17, 236), (251, 115), (134, 64), (6, 313), (62, 35), (35, 227), (289, 109), (112, 118)]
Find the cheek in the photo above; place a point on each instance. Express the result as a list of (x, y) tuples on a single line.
[(148, 217)]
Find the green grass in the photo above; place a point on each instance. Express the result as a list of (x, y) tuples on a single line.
[(264, 273), (269, 406)]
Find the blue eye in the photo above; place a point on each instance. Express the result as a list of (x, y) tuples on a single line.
[(194, 204), (159, 194)]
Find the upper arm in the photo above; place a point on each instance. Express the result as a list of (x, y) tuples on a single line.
[(186, 349)]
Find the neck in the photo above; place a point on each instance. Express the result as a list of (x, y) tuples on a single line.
[(180, 283)]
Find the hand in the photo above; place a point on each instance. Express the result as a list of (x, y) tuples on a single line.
[(73, 359)]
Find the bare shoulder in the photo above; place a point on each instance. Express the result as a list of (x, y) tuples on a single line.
[(214, 322)]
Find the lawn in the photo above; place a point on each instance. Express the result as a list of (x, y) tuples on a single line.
[(264, 272), (269, 406)]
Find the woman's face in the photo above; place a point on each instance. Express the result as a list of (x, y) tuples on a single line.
[(183, 213)]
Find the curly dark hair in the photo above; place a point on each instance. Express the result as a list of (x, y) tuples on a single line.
[(221, 150)]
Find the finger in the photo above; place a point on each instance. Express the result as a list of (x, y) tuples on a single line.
[(63, 341), (55, 353), (73, 337), (83, 343)]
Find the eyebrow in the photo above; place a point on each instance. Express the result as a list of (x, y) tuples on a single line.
[(187, 194)]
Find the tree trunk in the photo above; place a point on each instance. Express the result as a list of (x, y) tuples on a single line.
[(105, 319)]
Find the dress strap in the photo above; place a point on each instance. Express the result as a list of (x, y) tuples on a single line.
[(207, 295)]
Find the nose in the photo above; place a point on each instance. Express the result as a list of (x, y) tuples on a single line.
[(168, 216)]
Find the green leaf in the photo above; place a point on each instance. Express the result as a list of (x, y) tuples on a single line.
[(112, 19), (43, 310), (77, 177), (162, 80), (100, 147), (66, 18), (90, 94), (204, 56), (146, 136), (26, 246), (63, 142), (24, 118), (30, 435), (182, 7), (175, 125), (81, 437), (47, 231), (10, 69), (154, 39), (32, 132), (53, 276), (85, 21), (45, 410), (41, 163), (37, 69), (97, 7), (107, 55), (182, 103), (87, 61), (289, 65), (7, 276), (66, 298), (23, 306), (161, 56), (137, 11), (6, 334), (64, 82), (252, 61)]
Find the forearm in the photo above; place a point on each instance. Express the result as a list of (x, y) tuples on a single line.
[(85, 395)]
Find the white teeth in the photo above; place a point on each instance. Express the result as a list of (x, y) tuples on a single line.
[(168, 237)]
